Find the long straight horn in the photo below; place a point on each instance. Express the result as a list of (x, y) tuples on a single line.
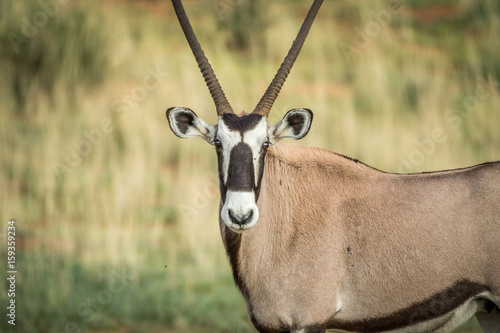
[(221, 104), (267, 101)]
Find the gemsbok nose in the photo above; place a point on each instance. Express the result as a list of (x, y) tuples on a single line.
[(240, 219), (240, 211)]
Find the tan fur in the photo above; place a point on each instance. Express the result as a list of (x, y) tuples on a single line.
[(335, 231)]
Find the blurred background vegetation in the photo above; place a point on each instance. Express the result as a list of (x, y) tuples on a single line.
[(116, 218)]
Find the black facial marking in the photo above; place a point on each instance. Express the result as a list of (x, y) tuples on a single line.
[(262, 158), (183, 121), (241, 124), (241, 175), (220, 167), (434, 307)]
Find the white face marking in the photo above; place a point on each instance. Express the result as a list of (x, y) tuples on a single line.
[(254, 138), (229, 139), (240, 204)]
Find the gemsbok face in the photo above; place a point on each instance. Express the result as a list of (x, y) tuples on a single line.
[(241, 142), (241, 145)]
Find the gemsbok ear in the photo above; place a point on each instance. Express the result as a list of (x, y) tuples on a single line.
[(295, 125), (186, 124)]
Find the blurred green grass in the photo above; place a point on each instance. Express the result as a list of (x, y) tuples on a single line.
[(101, 188)]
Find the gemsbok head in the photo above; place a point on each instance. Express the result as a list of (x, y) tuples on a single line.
[(320, 241), (241, 142)]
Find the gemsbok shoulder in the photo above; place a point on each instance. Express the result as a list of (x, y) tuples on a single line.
[(318, 241)]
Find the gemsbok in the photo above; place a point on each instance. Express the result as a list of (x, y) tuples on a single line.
[(318, 241)]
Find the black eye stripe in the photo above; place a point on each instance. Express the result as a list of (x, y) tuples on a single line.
[(218, 145), (262, 158)]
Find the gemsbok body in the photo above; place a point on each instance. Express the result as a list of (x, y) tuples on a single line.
[(318, 241)]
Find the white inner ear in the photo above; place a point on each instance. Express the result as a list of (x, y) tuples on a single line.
[(203, 130), (284, 130), (199, 128), (273, 132)]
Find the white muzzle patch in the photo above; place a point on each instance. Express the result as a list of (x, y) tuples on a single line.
[(240, 211)]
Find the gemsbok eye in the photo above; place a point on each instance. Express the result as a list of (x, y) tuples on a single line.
[(266, 145), (217, 144)]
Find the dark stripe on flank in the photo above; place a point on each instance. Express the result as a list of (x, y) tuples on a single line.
[(434, 307)]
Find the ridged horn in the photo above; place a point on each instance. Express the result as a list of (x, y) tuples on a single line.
[(221, 104), (267, 100)]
